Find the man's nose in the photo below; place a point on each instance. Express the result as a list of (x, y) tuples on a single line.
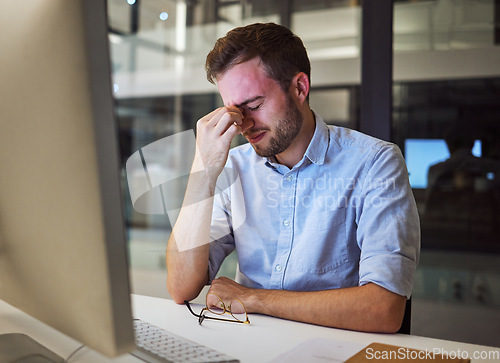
[(247, 123)]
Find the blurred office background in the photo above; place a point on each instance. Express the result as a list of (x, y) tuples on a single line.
[(445, 105)]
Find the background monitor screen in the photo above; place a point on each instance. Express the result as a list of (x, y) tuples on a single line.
[(62, 240), (420, 154)]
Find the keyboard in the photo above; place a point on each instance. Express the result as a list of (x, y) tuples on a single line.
[(158, 345)]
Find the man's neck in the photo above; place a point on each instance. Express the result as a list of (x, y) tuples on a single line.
[(295, 152)]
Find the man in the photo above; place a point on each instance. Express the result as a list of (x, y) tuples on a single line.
[(330, 232)]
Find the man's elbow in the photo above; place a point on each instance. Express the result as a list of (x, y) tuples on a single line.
[(177, 295), (389, 316), (180, 291), (390, 324)]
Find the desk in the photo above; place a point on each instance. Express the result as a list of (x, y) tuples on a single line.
[(261, 341)]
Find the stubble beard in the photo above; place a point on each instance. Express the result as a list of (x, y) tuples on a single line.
[(285, 131)]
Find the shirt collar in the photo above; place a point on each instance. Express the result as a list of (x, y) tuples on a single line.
[(316, 151), (318, 146)]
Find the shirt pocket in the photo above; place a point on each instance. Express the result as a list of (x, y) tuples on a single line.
[(322, 245), (326, 220)]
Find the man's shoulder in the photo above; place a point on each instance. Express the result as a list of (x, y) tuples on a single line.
[(344, 137)]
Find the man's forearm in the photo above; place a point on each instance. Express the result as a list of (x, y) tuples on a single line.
[(187, 249), (364, 308)]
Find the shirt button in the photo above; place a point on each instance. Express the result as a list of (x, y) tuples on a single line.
[(286, 222), (289, 178), (278, 268)]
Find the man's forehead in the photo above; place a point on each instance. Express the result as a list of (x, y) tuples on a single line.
[(247, 71), (244, 83)]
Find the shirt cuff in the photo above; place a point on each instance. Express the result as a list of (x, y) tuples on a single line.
[(394, 272)]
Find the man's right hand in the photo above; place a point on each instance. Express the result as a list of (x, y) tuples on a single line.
[(215, 132)]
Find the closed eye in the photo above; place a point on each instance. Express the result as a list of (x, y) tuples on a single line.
[(257, 101), (254, 108)]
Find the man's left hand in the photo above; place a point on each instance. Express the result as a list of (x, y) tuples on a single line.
[(229, 290)]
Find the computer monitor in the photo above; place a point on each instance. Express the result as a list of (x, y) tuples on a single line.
[(63, 256), (421, 154)]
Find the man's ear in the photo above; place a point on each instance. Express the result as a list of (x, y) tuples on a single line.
[(301, 86)]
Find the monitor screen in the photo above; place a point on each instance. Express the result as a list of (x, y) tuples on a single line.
[(62, 240), (420, 154)]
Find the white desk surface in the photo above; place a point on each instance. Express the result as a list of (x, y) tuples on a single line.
[(261, 341)]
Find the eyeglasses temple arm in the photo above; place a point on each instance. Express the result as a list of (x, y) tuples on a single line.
[(191, 310)]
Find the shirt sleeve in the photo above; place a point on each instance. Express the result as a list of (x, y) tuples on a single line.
[(388, 224), (221, 233)]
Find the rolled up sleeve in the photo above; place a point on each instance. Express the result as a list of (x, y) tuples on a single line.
[(388, 224)]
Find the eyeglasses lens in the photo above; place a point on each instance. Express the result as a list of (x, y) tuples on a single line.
[(238, 310)]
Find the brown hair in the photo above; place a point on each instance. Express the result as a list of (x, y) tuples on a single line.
[(282, 53)]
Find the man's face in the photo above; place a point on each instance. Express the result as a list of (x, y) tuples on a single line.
[(272, 120)]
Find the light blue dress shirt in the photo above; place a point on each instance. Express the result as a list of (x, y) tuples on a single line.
[(343, 216)]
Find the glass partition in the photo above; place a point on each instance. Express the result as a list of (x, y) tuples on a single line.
[(446, 119), (443, 24)]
